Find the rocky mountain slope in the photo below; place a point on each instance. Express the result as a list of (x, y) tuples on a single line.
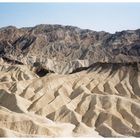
[(63, 49)]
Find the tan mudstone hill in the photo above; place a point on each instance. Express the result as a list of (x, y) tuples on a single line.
[(102, 100)]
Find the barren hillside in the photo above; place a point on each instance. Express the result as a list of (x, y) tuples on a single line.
[(60, 81), (63, 49)]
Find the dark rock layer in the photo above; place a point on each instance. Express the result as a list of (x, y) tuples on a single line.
[(64, 49)]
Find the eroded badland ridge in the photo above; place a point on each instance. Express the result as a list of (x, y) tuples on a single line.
[(65, 81)]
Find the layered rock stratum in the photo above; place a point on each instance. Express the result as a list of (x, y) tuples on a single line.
[(58, 81)]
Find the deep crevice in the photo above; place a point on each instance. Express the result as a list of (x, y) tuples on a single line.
[(40, 71)]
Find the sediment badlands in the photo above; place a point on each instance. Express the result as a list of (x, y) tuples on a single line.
[(102, 100), (58, 81)]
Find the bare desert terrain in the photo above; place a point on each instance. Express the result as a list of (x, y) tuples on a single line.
[(60, 81)]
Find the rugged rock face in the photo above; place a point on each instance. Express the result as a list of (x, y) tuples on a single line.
[(63, 49)]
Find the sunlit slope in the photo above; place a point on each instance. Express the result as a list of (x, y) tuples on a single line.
[(102, 100)]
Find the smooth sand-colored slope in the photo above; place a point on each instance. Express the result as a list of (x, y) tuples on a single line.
[(100, 101)]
